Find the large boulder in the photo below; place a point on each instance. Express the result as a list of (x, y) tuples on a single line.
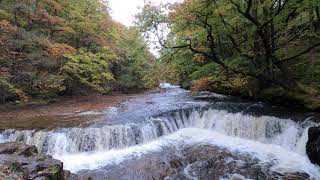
[(313, 145), (21, 161)]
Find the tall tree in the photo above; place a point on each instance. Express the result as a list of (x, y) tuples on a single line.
[(262, 41)]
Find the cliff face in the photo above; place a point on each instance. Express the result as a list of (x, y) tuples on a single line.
[(21, 161)]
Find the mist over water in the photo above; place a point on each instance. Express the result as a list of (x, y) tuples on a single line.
[(280, 142)]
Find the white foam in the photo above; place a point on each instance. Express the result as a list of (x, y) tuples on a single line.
[(95, 160), (108, 110), (87, 113), (2, 139), (167, 86), (283, 159), (266, 129), (113, 110)]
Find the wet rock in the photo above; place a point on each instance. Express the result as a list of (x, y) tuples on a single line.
[(211, 162), (206, 95), (191, 162), (19, 149), (313, 145), (70, 176), (21, 161), (155, 165), (150, 102), (290, 176)]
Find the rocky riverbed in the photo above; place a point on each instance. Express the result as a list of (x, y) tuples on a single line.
[(21, 161), (171, 135), (192, 162)]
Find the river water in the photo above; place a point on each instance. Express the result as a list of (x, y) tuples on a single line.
[(172, 135)]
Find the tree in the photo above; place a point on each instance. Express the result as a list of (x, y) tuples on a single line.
[(89, 69), (49, 47), (259, 40)]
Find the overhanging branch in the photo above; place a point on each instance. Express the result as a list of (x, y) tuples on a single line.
[(299, 54), (246, 13)]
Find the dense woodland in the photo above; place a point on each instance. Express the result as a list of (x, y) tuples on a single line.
[(263, 49), (52, 48)]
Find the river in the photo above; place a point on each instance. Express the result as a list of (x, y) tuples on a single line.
[(172, 135)]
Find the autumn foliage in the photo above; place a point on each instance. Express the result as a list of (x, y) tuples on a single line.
[(57, 47), (267, 49)]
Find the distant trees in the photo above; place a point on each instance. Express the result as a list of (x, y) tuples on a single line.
[(51, 47), (268, 43)]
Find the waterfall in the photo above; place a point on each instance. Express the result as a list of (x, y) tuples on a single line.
[(73, 140), (286, 133), (165, 85)]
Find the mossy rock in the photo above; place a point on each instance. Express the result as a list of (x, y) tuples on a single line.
[(24, 161)]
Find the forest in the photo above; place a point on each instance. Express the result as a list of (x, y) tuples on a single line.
[(55, 48), (266, 50), (262, 50)]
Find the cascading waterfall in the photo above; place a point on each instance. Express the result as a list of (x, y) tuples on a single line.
[(73, 140), (266, 129), (287, 133)]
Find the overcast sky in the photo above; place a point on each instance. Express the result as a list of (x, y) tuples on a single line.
[(123, 11)]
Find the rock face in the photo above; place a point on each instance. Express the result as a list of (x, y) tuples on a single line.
[(20, 161), (313, 145)]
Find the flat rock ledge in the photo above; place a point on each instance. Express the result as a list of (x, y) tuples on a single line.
[(21, 161)]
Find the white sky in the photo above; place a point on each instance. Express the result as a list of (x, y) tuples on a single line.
[(124, 11)]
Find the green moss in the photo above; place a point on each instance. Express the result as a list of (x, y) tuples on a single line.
[(195, 93), (18, 170), (53, 169), (52, 172)]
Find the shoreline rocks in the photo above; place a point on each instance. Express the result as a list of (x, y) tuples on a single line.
[(21, 161)]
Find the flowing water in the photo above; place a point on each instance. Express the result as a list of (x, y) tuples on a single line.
[(161, 126)]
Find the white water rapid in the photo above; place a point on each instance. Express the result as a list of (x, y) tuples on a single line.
[(267, 138), (265, 129)]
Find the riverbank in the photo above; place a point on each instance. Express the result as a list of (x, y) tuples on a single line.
[(59, 113), (301, 101)]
